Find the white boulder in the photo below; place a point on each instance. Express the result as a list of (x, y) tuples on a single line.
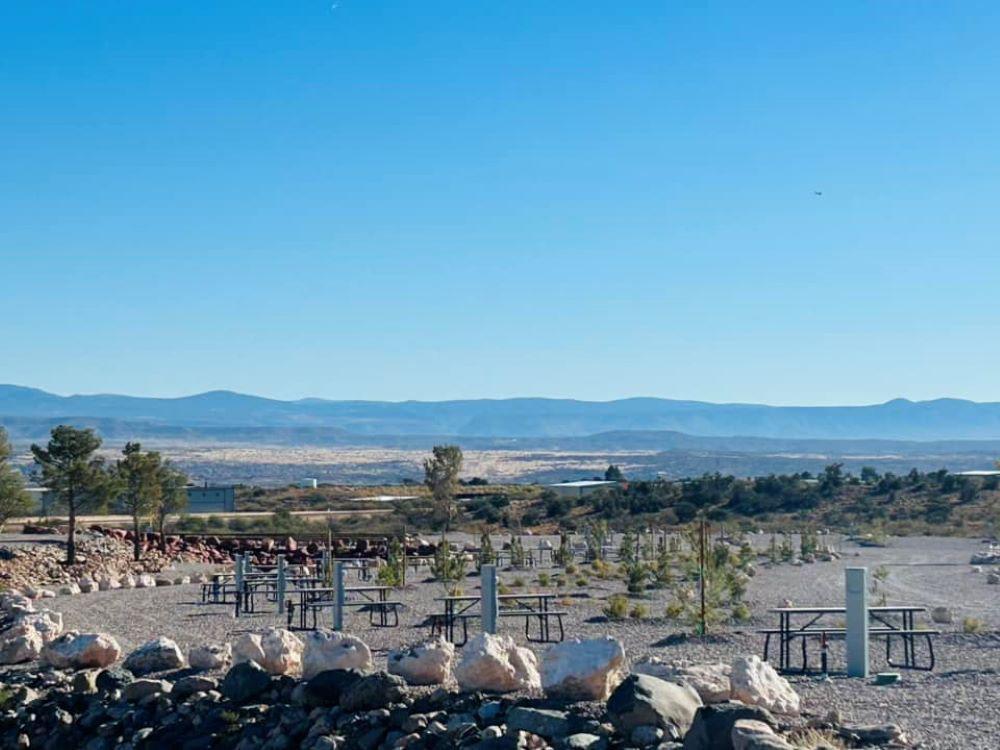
[(128, 581), (210, 656), (427, 663), (87, 585), (277, 650), (710, 681), (24, 639), (69, 589), (145, 581), (584, 670), (108, 583), (329, 649), (15, 603), (496, 663), (756, 683), (74, 650), (157, 655)]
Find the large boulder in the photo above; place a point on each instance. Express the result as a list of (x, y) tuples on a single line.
[(277, 650), (68, 589), (245, 681), (583, 670), (712, 728), (328, 649), (15, 603), (24, 639), (495, 663), (157, 655), (711, 681), (427, 663), (642, 700), (372, 692), (145, 581), (749, 734), (136, 690), (75, 650), (756, 683), (210, 656)]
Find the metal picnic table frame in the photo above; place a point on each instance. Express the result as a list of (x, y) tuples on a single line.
[(905, 630), (459, 609), (309, 596)]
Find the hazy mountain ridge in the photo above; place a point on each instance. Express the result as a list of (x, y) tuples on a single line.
[(218, 412)]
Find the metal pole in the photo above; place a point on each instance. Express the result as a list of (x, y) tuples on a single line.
[(338, 608), (856, 585), (238, 560), (701, 565), (281, 586), (489, 603)]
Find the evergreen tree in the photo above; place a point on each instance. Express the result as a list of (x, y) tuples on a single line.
[(14, 501)]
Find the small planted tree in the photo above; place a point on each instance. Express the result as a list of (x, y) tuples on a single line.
[(518, 558), (564, 555), (595, 536), (487, 556), (391, 574), (171, 488), (441, 472), (448, 566), (14, 501), (139, 483), (77, 478)]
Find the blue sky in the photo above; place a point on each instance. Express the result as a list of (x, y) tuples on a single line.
[(453, 199)]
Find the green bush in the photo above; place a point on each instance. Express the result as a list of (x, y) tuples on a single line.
[(639, 612), (616, 608)]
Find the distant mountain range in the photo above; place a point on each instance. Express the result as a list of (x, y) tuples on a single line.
[(659, 423)]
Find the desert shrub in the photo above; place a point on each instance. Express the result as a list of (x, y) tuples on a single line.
[(635, 577), (563, 556), (517, 583), (616, 608), (639, 612), (544, 579), (674, 610), (741, 612), (503, 588), (571, 569), (581, 582), (486, 554), (973, 625)]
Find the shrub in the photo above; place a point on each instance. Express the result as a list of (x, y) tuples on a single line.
[(639, 612), (741, 613), (674, 610), (517, 583), (973, 625), (581, 582), (616, 608), (571, 569), (544, 579)]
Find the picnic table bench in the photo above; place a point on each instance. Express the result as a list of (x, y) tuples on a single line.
[(312, 601), (889, 622), (461, 609)]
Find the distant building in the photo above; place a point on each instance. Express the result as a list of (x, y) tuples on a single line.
[(582, 488), (210, 499), (308, 483), (978, 473)]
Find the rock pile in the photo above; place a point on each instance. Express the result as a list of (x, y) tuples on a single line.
[(258, 705)]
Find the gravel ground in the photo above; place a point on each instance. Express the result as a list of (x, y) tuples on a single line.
[(952, 707)]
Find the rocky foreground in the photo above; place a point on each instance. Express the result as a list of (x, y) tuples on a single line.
[(276, 690)]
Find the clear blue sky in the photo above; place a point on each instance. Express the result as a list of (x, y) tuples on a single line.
[(454, 198)]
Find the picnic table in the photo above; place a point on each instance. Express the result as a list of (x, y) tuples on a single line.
[(373, 598), (889, 622), (531, 606)]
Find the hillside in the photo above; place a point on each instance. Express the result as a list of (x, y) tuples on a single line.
[(899, 419)]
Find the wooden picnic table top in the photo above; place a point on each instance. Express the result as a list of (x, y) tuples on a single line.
[(841, 610)]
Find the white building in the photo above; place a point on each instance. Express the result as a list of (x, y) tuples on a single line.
[(581, 488)]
